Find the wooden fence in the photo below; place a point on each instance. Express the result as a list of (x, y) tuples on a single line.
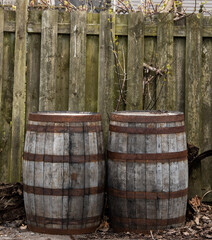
[(54, 60)]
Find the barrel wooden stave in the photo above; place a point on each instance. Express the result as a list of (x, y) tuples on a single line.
[(157, 176), (63, 212)]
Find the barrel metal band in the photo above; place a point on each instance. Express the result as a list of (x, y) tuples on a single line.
[(147, 119), (62, 129), (61, 231), (63, 192), (148, 222), (148, 157), (61, 221), (139, 130), (64, 118), (147, 195), (62, 159)]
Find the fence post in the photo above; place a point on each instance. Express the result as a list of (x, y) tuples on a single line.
[(77, 70), (206, 113), (19, 92), (106, 68), (1, 50), (193, 91), (135, 61), (47, 100)]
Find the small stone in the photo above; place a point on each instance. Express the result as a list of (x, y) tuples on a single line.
[(208, 236), (23, 227), (185, 233)]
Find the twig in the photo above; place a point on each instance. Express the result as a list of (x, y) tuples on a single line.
[(152, 235), (156, 70), (210, 191)]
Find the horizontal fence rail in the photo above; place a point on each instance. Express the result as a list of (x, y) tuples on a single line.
[(54, 60)]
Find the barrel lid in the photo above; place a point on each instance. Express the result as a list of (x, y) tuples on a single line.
[(65, 116), (147, 116)]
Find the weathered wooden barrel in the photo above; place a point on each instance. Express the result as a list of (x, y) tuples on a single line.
[(147, 170), (64, 172)]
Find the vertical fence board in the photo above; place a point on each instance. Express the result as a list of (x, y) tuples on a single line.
[(193, 90), (135, 61), (121, 51), (206, 113), (106, 69), (6, 105), (1, 50), (63, 56), (33, 66), (77, 74), (179, 73), (165, 89), (47, 99), (92, 59), (19, 93), (149, 98)]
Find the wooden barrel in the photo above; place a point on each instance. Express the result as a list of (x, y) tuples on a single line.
[(147, 170), (64, 172)]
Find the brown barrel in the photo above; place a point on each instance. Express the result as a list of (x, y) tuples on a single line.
[(64, 172), (147, 170)]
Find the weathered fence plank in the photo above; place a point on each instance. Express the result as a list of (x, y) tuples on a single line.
[(47, 99), (193, 90), (33, 66), (77, 70), (206, 113), (135, 64), (179, 73), (92, 59), (165, 87), (106, 68), (1, 50), (6, 104), (63, 56), (149, 97), (120, 68), (19, 92)]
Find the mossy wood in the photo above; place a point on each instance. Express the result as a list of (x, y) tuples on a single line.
[(55, 81), (19, 93), (193, 91)]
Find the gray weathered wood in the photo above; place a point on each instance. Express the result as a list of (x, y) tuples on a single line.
[(77, 70), (50, 174), (206, 111), (165, 48), (47, 95), (63, 56), (192, 91), (150, 46), (106, 68), (19, 92), (1, 50), (179, 68), (92, 60), (62, 85), (33, 65), (33, 73), (135, 61), (149, 177)]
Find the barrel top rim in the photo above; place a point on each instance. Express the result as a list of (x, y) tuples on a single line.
[(147, 116), (64, 116), (147, 113)]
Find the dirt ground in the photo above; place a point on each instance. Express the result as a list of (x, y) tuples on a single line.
[(198, 226)]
